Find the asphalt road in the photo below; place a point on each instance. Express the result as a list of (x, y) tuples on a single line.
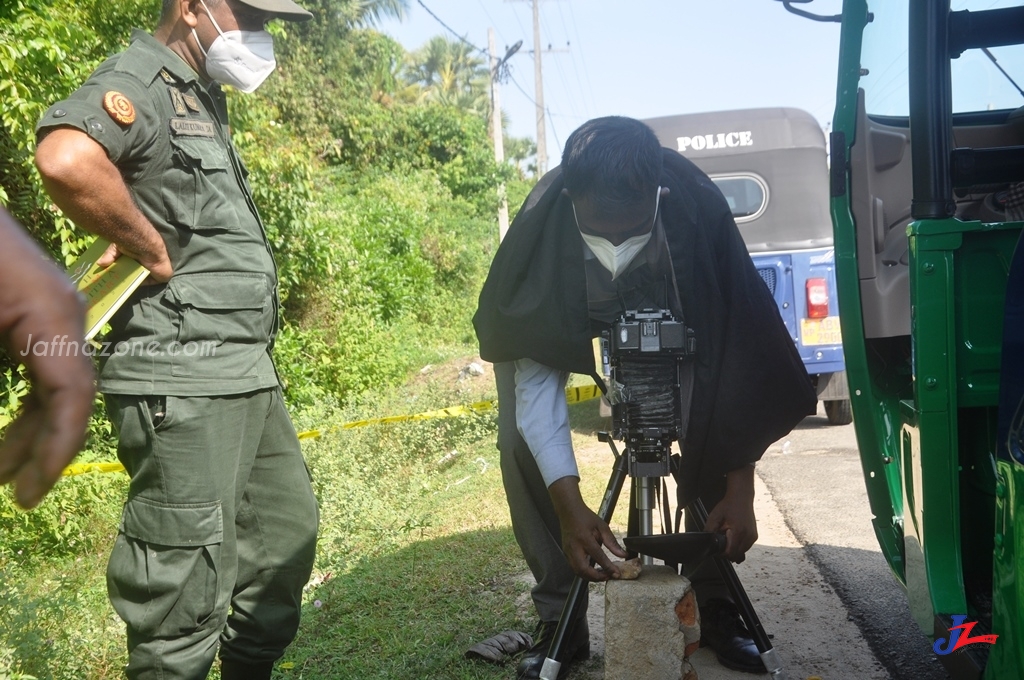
[(815, 477)]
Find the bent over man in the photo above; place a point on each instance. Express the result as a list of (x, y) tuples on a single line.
[(217, 536), (625, 224)]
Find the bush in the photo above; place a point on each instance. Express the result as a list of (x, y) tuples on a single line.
[(406, 260), (364, 477), (79, 515), (62, 627)]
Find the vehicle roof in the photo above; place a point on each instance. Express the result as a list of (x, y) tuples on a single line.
[(784, 147), (770, 129)]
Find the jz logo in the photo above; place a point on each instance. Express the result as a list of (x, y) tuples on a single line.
[(960, 636)]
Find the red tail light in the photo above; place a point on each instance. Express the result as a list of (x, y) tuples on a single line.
[(817, 298)]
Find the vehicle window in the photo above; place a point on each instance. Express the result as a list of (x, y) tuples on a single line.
[(747, 195), (977, 83)]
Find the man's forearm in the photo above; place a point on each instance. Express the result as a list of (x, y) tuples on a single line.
[(89, 189), (565, 496), (739, 483)]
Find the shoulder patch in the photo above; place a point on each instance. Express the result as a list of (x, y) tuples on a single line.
[(119, 107)]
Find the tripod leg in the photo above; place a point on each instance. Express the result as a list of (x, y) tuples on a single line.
[(578, 590), (633, 512), (666, 511), (769, 656)]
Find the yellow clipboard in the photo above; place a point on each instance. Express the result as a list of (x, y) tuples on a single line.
[(105, 289)]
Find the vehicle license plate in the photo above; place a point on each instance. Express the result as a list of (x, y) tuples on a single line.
[(821, 331)]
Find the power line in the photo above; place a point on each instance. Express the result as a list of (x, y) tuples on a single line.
[(493, 22), (587, 96), (565, 83), (520, 88), (553, 130), (521, 28), (452, 31), (579, 45), (551, 116), (565, 88)]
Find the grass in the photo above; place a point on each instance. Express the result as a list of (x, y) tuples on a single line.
[(416, 560)]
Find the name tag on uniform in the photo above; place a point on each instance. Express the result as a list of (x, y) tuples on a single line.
[(193, 128)]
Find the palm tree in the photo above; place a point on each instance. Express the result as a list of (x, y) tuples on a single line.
[(450, 72), (370, 12), (332, 19)]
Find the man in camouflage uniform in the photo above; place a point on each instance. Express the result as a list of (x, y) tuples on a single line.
[(220, 515)]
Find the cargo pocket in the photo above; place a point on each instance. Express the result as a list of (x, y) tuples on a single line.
[(164, 572), (196, 191), (224, 316)]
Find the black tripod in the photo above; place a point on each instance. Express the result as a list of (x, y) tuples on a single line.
[(669, 547)]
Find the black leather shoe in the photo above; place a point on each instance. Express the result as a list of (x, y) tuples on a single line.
[(722, 629), (577, 648)]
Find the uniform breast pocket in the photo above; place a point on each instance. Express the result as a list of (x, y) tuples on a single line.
[(223, 323), (200, 192)]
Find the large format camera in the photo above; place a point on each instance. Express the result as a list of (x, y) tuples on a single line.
[(645, 354)]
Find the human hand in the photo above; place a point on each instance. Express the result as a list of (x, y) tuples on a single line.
[(40, 307), (734, 514), (160, 269), (584, 533)]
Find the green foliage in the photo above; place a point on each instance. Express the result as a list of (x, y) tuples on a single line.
[(9, 667), (451, 72), (365, 478), (381, 488), (78, 515), (59, 625), (14, 387), (348, 106), (406, 260), (334, 19), (45, 52), (47, 48), (282, 175), (65, 522)]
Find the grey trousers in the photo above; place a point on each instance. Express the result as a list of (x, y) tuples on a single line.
[(535, 523), (218, 533), (534, 520)]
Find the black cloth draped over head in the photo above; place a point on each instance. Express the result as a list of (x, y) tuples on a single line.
[(750, 385)]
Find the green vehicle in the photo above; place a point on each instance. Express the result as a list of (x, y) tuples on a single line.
[(927, 184)]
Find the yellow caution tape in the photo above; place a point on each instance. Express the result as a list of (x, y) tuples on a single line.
[(573, 395)]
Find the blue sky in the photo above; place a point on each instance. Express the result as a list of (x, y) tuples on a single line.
[(645, 58)]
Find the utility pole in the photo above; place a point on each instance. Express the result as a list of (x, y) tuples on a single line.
[(538, 80), (542, 145), (496, 131)]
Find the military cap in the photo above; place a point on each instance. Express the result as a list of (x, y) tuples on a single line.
[(282, 9)]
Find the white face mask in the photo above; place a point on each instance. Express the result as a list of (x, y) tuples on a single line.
[(242, 59), (617, 258)]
